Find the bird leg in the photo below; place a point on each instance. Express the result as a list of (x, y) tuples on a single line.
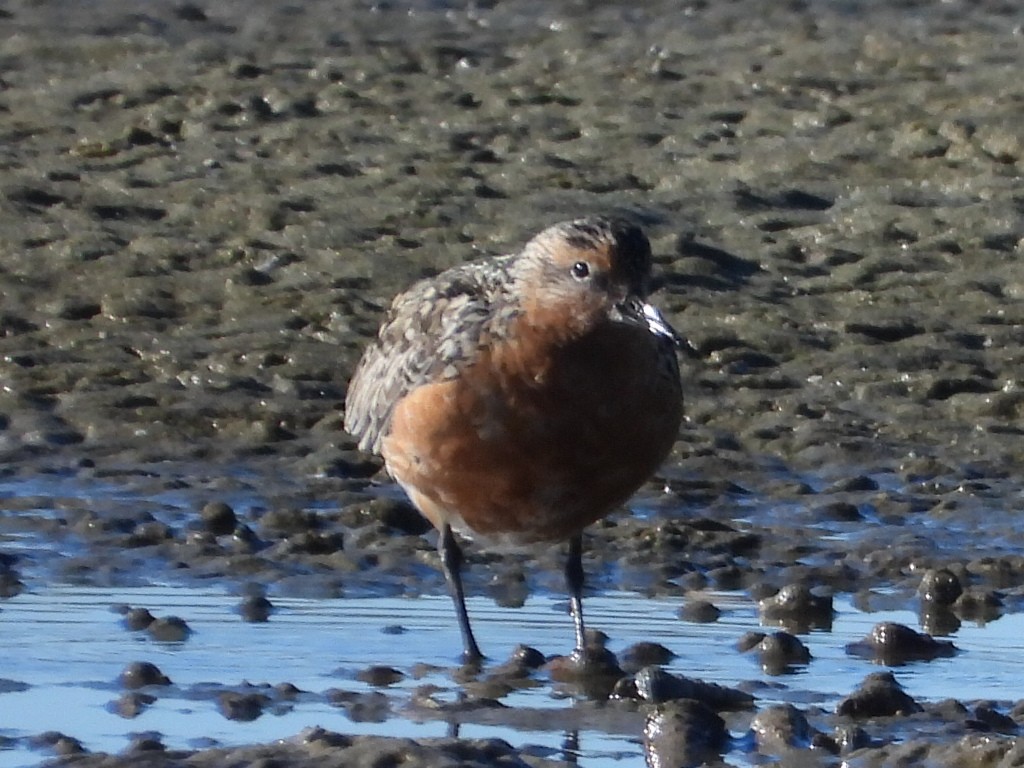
[(451, 563), (574, 582)]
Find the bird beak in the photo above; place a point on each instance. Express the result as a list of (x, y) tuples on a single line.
[(638, 312)]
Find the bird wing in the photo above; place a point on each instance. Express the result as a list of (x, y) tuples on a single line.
[(432, 332)]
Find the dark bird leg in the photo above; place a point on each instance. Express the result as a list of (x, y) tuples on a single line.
[(574, 582), (451, 563)]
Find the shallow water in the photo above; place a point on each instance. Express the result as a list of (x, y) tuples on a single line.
[(68, 647)]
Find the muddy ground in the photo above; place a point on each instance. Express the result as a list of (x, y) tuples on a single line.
[(204, 209)]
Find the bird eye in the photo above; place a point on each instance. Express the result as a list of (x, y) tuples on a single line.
[(580, 270)]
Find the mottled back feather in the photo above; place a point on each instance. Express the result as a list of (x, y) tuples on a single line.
[(432, 332)]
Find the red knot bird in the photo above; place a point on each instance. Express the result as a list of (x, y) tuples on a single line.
[(520, 398)]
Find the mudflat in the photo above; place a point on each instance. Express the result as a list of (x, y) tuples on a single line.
[(205, 210)]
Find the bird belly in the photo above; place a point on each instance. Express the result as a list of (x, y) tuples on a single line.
[(517, 454)]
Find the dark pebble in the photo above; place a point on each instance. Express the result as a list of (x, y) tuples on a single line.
[(780, 726), (511, 673), (218, 518), (287, 691), (839, 511), (683, 733), (169, 629), (59, 743), (699, 612), (521, 662), (146, 743), (243, 707), (779, 652), (940, 587), (797, 608), (655, 685), (879, 695), (644, 654), (379, 676), (892, 643), (597, 671), (137, 619), (255, 609), (139, 674)]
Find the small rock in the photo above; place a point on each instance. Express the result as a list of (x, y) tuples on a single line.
[(243, 707), (169, 629), (379, 676), (528, 657), (655, 685), (146, 743), (218, 518), (683, 733), (520, 664), (596, 667), (780, 651), (287, 691), (879, 695), (781, 726), (59, 743), (137, 619), (700, 612), (940, 587), (139, 674), (892, 644), (255, 609), (797, 607), (644, 654), (840, 511)]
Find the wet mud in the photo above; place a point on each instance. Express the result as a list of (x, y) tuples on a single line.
[(204, 210)]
